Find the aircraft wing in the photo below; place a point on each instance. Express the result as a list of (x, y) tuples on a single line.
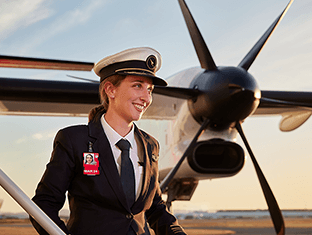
[(55, 98), (47, 98), (292, 116)]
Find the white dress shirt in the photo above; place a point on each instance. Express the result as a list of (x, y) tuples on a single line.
[(113, 137)]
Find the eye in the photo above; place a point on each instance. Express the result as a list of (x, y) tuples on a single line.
[(138, 85)]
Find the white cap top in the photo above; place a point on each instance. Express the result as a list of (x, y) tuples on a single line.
[(140, 61)]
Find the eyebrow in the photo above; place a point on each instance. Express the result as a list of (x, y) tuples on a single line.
[(141, 81)]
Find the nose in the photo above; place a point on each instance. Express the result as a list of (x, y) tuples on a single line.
[(146, 96)]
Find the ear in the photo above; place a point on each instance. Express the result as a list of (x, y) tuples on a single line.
[(109, 89)]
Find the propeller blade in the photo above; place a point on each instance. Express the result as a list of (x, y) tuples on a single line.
[(171, 174), (292, 96), (83, 79), (177, 92), (38, 63), (203, 54), (253, 53), (274, 209), (268, 101)]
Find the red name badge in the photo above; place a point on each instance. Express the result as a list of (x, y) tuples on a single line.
[(91, 164)]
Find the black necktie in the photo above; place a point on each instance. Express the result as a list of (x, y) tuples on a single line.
[(127, 172)]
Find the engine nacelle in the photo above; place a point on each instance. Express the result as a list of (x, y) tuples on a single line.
[(217, 156)]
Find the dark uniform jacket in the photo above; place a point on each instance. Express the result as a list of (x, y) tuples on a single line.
[(97, 203)]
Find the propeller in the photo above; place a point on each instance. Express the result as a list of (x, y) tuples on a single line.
[(39, 63)]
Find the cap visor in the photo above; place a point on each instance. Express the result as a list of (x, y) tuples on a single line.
[(156, 80)]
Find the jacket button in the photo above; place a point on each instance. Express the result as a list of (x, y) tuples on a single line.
[(129, 216)]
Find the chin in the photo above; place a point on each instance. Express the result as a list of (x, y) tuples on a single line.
[(137, 117)]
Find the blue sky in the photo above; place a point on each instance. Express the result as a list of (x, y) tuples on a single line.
[(91, 30)]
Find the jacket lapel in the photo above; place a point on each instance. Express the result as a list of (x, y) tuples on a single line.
[(106, 159), (146, 167)]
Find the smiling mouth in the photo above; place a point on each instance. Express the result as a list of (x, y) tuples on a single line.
[(139, 107)]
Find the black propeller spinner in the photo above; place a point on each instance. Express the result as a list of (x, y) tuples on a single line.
[(240, 96), (222, 97)]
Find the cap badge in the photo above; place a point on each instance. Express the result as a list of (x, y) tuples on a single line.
[(151, 62)]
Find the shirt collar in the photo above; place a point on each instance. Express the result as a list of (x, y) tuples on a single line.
[(113, 136)]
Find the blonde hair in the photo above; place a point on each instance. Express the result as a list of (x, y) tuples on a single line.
[(115, 80)]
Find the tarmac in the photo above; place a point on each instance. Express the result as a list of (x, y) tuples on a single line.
[(294, 226)]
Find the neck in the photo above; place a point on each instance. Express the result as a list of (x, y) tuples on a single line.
[(121, 126)]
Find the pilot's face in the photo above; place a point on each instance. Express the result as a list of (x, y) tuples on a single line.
[(89, 159), (132, 97)]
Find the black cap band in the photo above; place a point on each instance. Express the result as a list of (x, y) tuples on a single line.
[(135, 67)]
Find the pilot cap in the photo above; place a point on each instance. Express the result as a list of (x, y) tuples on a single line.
[(141, 61)]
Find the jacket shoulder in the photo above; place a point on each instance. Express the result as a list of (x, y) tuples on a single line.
[(72, 134), (74, 129)]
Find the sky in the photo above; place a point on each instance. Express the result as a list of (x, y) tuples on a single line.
[(91, 30)]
